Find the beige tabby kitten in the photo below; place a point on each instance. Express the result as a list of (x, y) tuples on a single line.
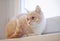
[(23, 25)]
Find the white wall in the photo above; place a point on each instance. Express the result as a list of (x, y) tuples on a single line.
[(11, 8), (3, 16), (7, 11), (50, 8)]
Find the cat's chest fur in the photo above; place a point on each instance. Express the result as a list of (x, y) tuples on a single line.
[(36, 28), (39, 28)]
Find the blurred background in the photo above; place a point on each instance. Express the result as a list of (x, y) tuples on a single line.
[(50, 9)]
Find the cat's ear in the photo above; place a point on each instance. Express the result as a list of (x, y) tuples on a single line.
[(37, 9)]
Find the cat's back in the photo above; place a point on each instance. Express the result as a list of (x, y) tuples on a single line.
[(11, 25)]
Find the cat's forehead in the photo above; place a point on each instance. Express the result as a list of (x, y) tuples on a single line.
[(33, 14)]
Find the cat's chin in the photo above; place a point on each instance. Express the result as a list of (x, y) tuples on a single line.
[(34, 24)]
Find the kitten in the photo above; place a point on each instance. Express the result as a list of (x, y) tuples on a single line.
[(25, 25)]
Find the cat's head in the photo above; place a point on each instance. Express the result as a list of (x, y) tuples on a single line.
[(34, 17)]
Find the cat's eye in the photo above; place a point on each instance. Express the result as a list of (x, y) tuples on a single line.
[(33, 17)]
